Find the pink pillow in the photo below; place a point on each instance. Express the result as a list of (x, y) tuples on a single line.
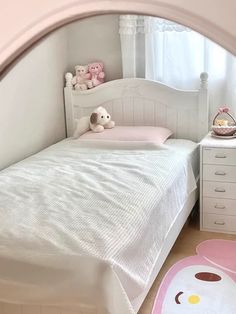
[(130, 133)]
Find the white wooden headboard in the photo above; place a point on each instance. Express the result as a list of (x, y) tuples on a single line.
[(134, 101)]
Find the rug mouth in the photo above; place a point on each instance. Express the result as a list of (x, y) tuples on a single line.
[(192, 299), (177, 301)]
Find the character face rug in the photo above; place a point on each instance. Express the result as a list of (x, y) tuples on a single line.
[(201, 284)]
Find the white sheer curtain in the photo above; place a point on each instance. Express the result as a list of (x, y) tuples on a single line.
[(175, 55)]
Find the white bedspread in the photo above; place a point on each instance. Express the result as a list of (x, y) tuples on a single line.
[(83, 224)]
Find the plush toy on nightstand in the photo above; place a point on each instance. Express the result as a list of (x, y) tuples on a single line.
[(221, 122), (97, 74), (223, 127), (81, 81)]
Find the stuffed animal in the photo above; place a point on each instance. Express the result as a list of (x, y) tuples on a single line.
[(221, 122), (97, 74), (81, 80), (99, 120)]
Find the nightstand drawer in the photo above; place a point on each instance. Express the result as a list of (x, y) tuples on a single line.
[(219, 173), (219, 222), (219, 206), (221, 156), (219, 189)]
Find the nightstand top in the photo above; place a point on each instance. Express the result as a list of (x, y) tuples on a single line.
[(210, 141)]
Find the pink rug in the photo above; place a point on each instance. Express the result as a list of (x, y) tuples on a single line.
[(201, 284)]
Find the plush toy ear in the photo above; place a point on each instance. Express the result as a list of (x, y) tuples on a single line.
[(101, 64), (94, 118), (100, 108)]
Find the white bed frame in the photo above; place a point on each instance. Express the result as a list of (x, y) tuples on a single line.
[(138, 102)]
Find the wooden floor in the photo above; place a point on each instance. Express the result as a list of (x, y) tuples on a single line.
[(185, 245)]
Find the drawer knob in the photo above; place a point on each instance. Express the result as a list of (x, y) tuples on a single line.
[(220, 173), (221, 190), (219, 206), (220, 156), (220, 223)]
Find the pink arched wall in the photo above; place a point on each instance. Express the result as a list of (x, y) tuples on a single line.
[(23, 22)]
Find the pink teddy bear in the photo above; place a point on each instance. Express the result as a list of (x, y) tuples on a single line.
[(97, 74)]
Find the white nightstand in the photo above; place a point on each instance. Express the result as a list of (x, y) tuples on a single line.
[(218, 184)]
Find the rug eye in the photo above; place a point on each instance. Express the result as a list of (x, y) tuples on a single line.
[(205, 276)]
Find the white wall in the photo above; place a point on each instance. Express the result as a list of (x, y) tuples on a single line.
[(96, 39), (31, 94), (31, 100)]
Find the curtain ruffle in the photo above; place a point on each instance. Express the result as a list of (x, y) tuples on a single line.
[(134, 24)]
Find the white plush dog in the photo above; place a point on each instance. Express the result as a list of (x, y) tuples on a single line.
[(99, 120)]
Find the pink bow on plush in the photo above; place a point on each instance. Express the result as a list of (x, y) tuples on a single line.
[(223, 109)]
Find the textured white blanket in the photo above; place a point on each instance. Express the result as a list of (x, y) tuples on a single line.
[(83, 224)]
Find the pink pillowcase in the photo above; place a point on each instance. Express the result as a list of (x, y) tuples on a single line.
[(131, 133)]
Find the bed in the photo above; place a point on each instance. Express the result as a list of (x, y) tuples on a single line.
[(87, 225)]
